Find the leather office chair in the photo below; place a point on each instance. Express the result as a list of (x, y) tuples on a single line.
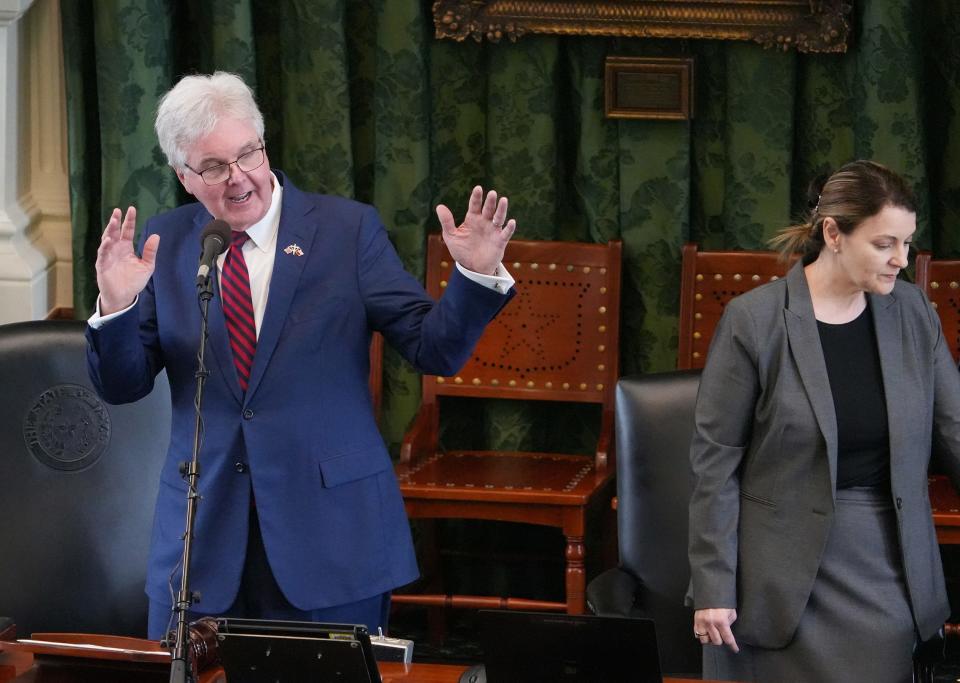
[(79, 479), (709, 279), (654, 427), (557, 341)]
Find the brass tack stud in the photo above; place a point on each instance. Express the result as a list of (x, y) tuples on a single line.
[(774, 277), (602, 347), (534, 266), (737, 277), (530, 384), (583, 386), (934, 285), (440, 380), (475, 381), (458, 380), (603, 271), (953, 284), (599, 387), (586, 269), (698, 316), (602, 328), (569, 269), (516, 264), (696, 335), (755, 278), (566, 385), (443, 283), (553, 266), (602, 309), (696, 354), (698, 296), (603, 290), (934, 304), (444, 264), (548, 385), (512, 382), (495, 382), (601, 367), (699, 277), (718, 276)]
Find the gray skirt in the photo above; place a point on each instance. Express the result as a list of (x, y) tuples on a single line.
[(857, 625)]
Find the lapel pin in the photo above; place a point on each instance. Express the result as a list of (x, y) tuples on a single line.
[(294, 249)]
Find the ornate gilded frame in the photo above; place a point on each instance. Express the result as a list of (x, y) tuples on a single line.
[(807, 25)]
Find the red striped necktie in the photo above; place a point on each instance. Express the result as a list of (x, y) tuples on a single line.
[(238, 308)]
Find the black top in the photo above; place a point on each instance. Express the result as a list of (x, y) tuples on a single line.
[(856, 382)]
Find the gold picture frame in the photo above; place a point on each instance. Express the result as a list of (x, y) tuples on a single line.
[(805, 25)]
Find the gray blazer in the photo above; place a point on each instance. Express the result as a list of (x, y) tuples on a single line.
[(764, 454)]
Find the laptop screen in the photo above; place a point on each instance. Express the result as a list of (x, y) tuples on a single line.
[(537, 646), (268, 651)]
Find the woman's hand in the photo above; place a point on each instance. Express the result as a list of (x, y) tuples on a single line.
[(712, 627)]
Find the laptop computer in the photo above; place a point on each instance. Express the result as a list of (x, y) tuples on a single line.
[(268, 651), (535, 647)]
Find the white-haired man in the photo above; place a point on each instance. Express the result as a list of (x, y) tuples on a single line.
[(301, 516)]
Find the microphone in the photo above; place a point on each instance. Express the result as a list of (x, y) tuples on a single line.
[(214, 238)]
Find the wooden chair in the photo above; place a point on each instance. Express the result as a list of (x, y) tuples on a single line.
[(376, 373), (557, 341), (940, 279), (709, 279)]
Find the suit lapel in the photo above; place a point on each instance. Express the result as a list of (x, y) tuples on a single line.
[(808, 355), (287, 268), (218, 340), (886, 320)]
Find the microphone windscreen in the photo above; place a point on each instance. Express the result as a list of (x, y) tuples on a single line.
[(221, 229)]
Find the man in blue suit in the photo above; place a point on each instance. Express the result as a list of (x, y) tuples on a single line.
[(301, 516)]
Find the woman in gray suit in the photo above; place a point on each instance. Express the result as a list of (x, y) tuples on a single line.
[(812, 548)]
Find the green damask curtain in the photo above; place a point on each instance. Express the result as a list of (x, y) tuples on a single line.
[(361, 100)]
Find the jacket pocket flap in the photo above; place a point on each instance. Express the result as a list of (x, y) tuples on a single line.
[(354, 465)]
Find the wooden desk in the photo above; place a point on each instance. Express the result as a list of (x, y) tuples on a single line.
[(946, 509), (16, 667)]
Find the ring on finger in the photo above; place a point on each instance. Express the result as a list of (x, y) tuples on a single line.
[(699, 635)]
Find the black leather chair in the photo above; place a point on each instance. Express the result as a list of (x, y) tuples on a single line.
[(654, 426), (78, 480)]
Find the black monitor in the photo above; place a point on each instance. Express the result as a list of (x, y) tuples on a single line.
[(538, 647), (269, 651)]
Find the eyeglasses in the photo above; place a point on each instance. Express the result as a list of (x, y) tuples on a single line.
[(246, 162)]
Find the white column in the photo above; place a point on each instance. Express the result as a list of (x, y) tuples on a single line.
[(49, 172), (25, 262)]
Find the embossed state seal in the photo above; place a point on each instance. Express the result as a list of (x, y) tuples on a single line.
[(68, 427)]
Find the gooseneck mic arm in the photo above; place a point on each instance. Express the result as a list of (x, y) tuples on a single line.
[(214, 239)]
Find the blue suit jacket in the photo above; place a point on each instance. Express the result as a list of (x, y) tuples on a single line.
[(304, 435)]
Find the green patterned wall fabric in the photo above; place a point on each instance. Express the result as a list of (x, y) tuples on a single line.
[(361, 100)]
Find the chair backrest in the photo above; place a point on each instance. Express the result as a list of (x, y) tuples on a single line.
[(557, 340), (78, 480), (709, 279), (654, 428), (940, 279)]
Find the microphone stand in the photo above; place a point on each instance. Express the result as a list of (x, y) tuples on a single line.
[(180, 668)]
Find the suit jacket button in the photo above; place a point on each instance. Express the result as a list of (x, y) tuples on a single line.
[(247, 414), (240, 467), (899, 502)]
